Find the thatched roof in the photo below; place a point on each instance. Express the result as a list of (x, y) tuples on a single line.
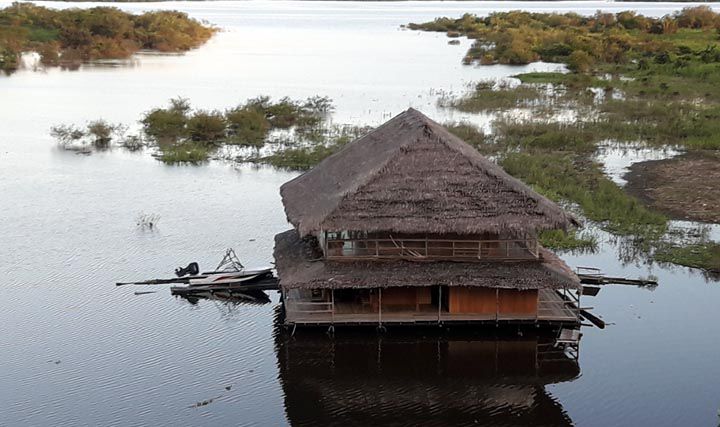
[(299, 264), (411, 175)]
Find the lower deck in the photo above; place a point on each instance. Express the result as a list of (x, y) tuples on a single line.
[(540, 306)]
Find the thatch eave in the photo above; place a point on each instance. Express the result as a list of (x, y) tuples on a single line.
[(300, 265)]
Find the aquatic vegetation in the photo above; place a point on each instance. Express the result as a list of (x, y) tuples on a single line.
[(184, 152), (572, 178), (572, 241), (702, 255), (305, 157), (76, 35), (206, 126), (147, 221), (186, 135), (489, 95), (247, 126), (545, 134), (97, 134), (473, 136)]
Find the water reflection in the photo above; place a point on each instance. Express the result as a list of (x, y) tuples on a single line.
[(232, 301), (411, 379)]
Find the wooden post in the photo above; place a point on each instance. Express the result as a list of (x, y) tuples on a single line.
[(332, 306), (497, 304), (380, 306), (439, 301)]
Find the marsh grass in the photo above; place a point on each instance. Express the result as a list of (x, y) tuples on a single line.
[(702, 255), (545, 134), (303, 157), (489, 96), (184, 152), (94, 135), (571, 241), (568, 177)]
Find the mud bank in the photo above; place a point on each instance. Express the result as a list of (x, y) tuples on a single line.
[(684, 187)]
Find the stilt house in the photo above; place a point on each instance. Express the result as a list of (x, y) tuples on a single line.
[(411, 225)]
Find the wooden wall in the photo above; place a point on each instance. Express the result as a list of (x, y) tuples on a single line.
[(512, 301), (472, 300), (488, 300)]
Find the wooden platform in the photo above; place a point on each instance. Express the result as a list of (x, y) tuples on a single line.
[(552, 308)]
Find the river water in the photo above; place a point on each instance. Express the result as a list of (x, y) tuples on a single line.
[(76, 350)]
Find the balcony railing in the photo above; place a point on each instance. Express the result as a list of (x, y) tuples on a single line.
[(432, 249)]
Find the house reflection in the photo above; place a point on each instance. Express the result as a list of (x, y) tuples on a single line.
[(445, 379), (228, 298)]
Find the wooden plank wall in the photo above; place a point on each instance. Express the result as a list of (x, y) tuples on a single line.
[(487, 301), (472, 300), (512, 301)]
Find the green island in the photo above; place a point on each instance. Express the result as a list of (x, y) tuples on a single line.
[(69, 37), (632, 80)]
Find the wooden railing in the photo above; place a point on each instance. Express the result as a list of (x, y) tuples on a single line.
[(310, 306), (419, 249)]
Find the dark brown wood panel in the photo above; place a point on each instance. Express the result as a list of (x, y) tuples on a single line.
[(472, 300), (513, 301)]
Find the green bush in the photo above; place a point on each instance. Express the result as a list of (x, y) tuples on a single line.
[(167, 123), (247, 126), (206, 126)]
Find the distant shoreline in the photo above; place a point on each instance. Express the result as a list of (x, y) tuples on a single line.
[(378, 1)]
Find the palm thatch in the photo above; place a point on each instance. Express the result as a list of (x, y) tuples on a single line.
[(299, 264), (411, 175)]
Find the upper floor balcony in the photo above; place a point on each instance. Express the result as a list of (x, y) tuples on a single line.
[(441, 249)]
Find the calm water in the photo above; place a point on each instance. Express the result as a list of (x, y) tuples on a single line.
[(76, 350)]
